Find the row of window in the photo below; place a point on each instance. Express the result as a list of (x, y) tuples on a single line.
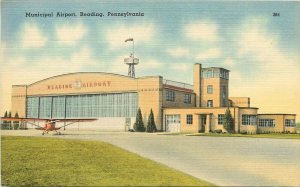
[(266, 122), (170, 96), (216, 73), (290, 123), (246, 120)]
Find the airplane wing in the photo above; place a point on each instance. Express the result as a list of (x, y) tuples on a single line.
[(72, 121), (33, 120), (47, 119), (28, 120), (22, 119)]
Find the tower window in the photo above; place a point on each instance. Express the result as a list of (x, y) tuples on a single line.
[(209, 89), (210, 103)]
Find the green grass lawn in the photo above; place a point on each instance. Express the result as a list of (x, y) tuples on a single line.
[(279, 136), (32, 161)]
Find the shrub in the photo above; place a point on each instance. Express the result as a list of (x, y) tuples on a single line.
[(218, 131), (139, 124), (228, 121), (151, 127)]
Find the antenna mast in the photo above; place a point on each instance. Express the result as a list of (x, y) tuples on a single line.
[(131, 61)]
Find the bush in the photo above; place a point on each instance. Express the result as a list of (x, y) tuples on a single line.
[(139, 124), (151, 127), (243, 132), (228, 122), (218, 131)]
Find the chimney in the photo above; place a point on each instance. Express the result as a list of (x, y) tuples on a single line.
[(197, 83)]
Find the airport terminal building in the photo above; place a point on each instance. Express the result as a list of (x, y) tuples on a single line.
[(114, 100)]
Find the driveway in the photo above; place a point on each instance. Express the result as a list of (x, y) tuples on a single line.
[(224, 161)]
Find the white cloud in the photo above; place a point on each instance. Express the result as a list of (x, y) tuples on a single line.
[(274, 72), (209, 54), (178, 52), (31, 36), (118, 66), (70, 34), (229, 62), (260, 44), (2, 52), (116, 35), (15, 72), (151, 64), (255, 39), (83, 57), (180, 66), (202, 30)]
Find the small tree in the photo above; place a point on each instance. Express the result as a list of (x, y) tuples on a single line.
[(9, 123), (139, 124), (151, 127), (4, 124), (228, 121), (16, 123)]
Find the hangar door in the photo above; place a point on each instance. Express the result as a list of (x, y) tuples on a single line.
[(173, 123), (112, 110)]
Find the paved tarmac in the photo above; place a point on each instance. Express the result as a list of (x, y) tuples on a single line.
[(224, 161)]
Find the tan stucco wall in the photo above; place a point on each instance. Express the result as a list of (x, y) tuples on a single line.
[(250, 129), (240, 101), (216, 96), (197, 84), (150, 97), (194, 128), (90, 83), (149, 90), (279, 124), (18, 100), (179, 99)]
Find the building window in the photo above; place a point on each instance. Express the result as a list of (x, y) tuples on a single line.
[(188, 98), (221, 118), (248, 119), (170, 96), (209, 89), (266, 122), (209, 74), (189, 119), (210, 103), (290, 123)]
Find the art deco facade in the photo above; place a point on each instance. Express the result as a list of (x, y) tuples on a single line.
[(114, 100)]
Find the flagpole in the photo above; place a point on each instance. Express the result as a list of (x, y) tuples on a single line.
[(133, 48)]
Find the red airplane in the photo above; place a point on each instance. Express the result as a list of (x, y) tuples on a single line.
[(49, 123)]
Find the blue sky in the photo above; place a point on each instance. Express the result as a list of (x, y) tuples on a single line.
[(260, 50)]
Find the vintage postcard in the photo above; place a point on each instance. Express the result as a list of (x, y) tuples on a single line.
[(185, 93)]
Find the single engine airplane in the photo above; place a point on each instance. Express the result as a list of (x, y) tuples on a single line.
[(49, 123)]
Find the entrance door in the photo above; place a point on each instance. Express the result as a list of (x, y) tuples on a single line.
[(201, 122), (172, 123)]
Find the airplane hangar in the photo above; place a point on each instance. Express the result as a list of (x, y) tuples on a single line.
[(114, 100)]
